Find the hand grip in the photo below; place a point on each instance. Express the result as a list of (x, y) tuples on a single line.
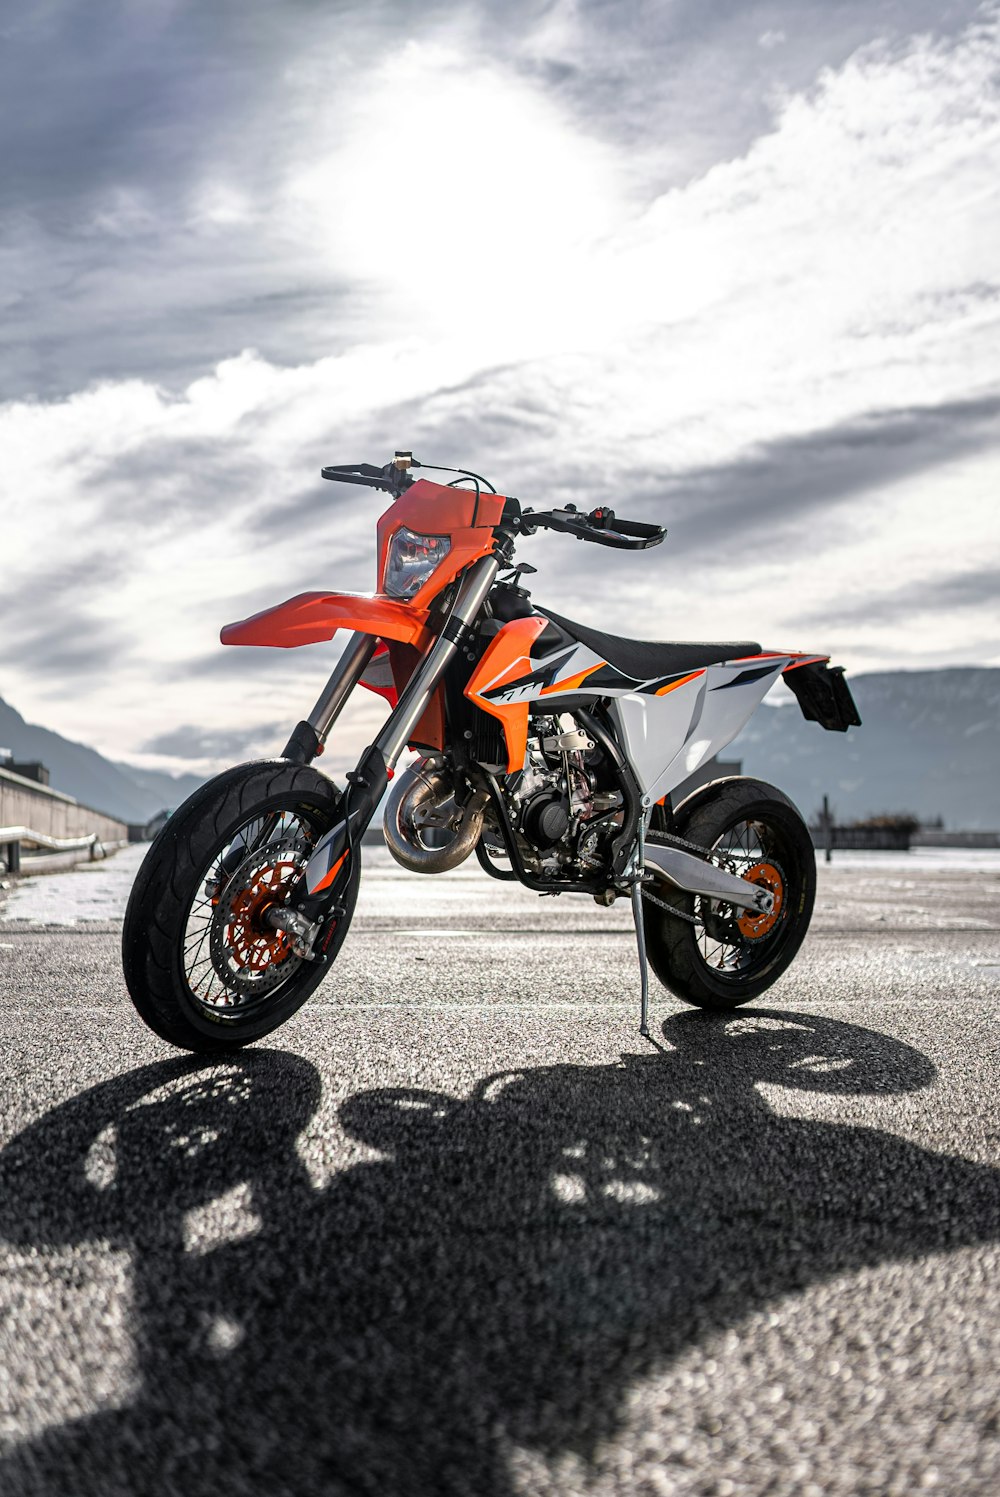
[(601, 527), (363, 473)]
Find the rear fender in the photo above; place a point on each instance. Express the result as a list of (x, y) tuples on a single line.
[(822, 694), (704, 794)]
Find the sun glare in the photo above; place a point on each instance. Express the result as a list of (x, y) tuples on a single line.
[(465, 197)]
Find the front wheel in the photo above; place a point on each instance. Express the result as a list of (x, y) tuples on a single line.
[(720, 956), (203, 966)]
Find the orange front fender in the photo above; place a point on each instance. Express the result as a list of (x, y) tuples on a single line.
[(310, 617)]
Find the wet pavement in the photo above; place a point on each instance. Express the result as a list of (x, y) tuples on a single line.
[(457, 1229)]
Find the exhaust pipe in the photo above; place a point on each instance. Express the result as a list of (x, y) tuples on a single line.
[(422, 801)]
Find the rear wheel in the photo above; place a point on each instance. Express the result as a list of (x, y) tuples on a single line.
[(203, 966), (721, 956)]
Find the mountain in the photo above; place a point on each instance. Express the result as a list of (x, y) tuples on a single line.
[(929, 743), (130, 794), (166, 790)]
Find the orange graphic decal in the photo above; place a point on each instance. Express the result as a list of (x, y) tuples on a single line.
[(572, 681), (507, 659), (798, 660), (673, 685), (328, 878)]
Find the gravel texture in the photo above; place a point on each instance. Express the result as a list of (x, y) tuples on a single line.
[(457, 1229)]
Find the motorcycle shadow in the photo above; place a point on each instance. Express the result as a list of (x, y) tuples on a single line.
[(499, 1278)]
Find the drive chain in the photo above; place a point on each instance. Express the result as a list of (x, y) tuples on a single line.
[(667, 839), (671, 910)]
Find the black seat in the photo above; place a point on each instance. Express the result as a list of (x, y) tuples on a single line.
[(644, 660)]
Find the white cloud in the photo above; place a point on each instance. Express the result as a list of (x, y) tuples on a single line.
[(845, 265)]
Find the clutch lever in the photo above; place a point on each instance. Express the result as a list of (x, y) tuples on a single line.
[(390, 479)]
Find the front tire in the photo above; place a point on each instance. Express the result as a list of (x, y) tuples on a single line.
[(729, 957), (202, 967)]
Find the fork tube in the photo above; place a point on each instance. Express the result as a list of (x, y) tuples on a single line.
[(345, 676), (316, 892), (309, 735), (427, 676)]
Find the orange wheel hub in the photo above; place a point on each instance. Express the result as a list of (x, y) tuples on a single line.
[(253, 944), (753, 924)]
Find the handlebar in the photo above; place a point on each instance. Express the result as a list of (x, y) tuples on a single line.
[(601, 526)]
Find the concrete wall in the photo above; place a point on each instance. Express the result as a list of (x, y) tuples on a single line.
[(24, 803), (955, 839), (861, 838)]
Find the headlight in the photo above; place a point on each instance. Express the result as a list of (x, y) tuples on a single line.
[(411, 560)]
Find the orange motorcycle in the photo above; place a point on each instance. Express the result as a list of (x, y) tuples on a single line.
[(549, 748)]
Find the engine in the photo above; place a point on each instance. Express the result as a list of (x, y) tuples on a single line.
[(564, 805)]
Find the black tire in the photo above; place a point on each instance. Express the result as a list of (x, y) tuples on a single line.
[(251, 988), (726, 960)]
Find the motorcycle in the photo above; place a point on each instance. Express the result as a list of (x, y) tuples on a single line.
[(549, 749)]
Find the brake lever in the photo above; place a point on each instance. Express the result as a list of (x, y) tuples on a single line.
[(601, 527)]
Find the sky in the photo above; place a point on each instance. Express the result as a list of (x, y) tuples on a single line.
[(730, 267)]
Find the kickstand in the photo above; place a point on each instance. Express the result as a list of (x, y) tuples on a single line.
[(640, 936)]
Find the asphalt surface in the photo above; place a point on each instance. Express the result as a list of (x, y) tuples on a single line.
[(457, 1229)]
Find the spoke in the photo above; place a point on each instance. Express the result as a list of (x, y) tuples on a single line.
[(268, 824), (254, 973), (739, 847), (197, 949)]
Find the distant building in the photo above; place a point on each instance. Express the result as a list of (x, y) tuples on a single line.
[(155, 825), (28, 770)]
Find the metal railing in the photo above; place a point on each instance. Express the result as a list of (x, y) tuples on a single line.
[(51, 828)]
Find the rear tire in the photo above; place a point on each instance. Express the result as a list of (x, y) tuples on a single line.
[(204, 972), (729, 958)]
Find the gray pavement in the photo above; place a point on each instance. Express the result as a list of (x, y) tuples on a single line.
[(457, 1229)]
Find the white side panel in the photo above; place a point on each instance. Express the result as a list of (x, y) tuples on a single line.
[(669, 737), (654, 729)]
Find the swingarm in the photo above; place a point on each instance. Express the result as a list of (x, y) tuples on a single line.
[(696, 876)]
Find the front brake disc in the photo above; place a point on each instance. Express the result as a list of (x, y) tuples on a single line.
[(249, 956)]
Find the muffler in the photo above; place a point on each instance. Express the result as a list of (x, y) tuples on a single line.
[(424, 828)]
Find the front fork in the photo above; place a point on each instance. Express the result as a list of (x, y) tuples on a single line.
[(315, 894)]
